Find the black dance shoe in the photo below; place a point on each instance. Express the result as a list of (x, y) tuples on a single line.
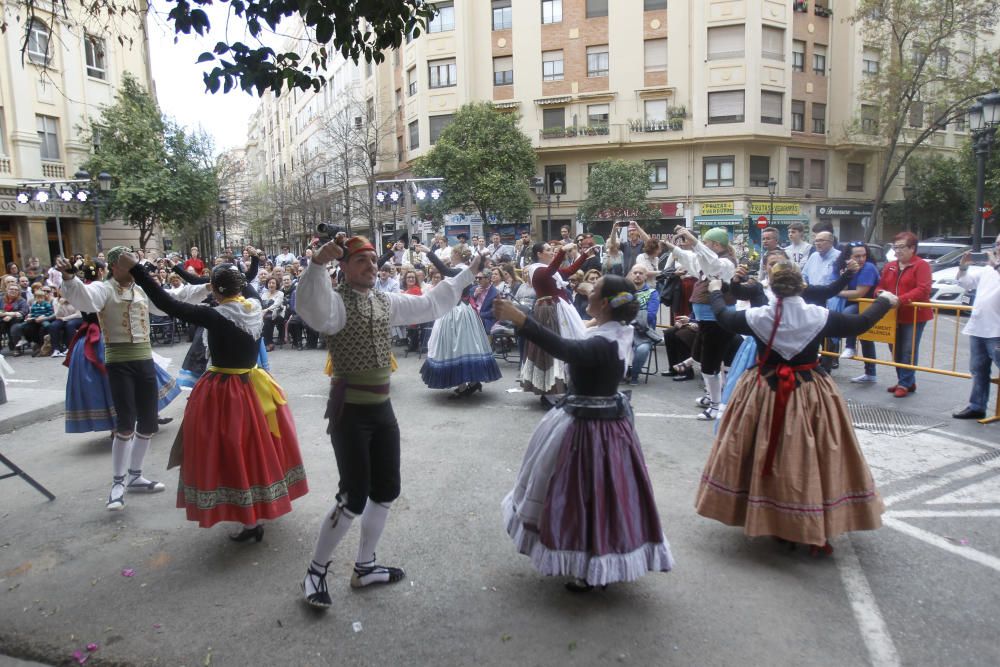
[(256, 534)]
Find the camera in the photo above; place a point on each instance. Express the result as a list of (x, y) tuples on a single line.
[(327, 231)]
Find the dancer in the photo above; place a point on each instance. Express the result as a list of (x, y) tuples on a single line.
[(363, 428), (540, 372), (239, 454), (786, 461), (458, 351), (123, 310), (583, 505)]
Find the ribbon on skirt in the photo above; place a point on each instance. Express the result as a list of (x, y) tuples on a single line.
[(785, 376), (92, 334), (268, 392)]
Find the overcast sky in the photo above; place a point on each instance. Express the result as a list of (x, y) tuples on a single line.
[(181, 91)]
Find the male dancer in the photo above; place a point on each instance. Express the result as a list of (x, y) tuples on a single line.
[(363, 428), (123, 310)]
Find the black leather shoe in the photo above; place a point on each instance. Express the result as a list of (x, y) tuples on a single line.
[(256, 534), (969, 413)]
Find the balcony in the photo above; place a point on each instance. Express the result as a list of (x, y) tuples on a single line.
[(53, 170), (597, 130), (802, 6), (669, 125), (4, 165)]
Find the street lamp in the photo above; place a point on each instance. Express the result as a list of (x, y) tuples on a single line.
[(103, 187), (223, 205), (984, 118), (907, 193), (543, 192), (772, 188)]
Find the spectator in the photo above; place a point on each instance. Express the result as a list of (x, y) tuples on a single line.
[(861, 286), (35, 324), (195, 264), (649, 259), (593, 262), (983, 328), (497, 251), (496, 279), (564, 235), (581, 298), (818, 268), (522, 251), (483, 297), (644, 325), (273, 300), (614, 261), (768, 242), (677, 288), (15, 309), (909, 278), (54, 278), (798, 249), (286, 256), (63, 327), (386, 281), (637, 238), (34, 271)]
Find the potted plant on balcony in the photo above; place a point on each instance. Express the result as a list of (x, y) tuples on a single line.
[(800, 6), (823, 11), (677, 112), (676, 123)]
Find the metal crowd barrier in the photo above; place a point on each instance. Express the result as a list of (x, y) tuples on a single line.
[(883, 331)]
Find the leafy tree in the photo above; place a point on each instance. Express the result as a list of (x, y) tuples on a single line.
[(933, 64), (617, 187), (486, 162), (355, 29), (938, 198), (160, 174)]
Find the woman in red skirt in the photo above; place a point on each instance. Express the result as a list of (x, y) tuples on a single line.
[(237, 448)]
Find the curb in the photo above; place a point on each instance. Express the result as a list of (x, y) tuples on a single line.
[(21, 408)]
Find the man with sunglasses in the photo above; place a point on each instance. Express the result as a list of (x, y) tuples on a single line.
[(983, 328)]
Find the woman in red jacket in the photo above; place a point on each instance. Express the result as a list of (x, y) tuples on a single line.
[(909, 278)]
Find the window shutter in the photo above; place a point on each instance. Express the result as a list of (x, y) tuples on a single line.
[(773, 43), (771, 105), (729, 103), (726, 42)]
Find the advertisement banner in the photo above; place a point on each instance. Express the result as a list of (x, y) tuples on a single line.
[(780, 208), (717, 208)]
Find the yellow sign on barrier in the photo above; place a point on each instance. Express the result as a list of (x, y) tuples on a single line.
[(884, 330)]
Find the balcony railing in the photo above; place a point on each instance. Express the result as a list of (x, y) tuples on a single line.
[(802, 6), (669, 125), (53, 170), (596, 130), (4, 165)]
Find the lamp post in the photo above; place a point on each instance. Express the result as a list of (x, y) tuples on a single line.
[(223, 205), (984, 118), (543, 192), (772, 188)]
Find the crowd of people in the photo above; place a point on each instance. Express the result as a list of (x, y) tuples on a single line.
[(585, 318)]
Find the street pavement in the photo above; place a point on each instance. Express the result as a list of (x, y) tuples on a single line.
[(923, 590)]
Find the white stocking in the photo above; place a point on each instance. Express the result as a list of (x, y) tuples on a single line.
[(140, 445), (714, 385), (332, 530), (372, 524), (121, 448)]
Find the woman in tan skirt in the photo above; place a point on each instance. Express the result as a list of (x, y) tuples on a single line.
[(786, 461)]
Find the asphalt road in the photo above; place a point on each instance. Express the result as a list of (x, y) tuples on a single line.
[(923, 590)]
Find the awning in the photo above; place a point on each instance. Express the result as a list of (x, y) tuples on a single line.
[(562, 99), (506, 105)]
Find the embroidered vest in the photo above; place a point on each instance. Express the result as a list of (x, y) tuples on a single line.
[(364, 343), (125, 316)]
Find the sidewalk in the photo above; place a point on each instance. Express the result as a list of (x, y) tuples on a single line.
[(25, 406)]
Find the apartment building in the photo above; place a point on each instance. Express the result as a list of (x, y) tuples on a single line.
[(716, 96), (68, 72)]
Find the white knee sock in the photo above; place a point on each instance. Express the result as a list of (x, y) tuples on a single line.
[(714, 385), (121, 448), (372, 523), (140, 445), (331, 531)]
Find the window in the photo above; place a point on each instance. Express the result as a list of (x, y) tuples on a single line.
[(597, 60), (553, 172), (502, 17), (725, 107), (819, 118), (798, 56), (553, 118), (917, 114), (436, 124), (414, 135), (798, 116), (650, 5), (795, 172), (773, 43), (597, 114), (444, 21), (817, 174), (943, 60), (38, 43), (597, 8), (655, 55), (655, 111), (552, 66), (48, 135), (551, 11), (411, 81), (503, 71), (657, 174), (719, 172), (855, 177), (870, 62), (399, 155), (760, 171), (725, 42), (819, 59), (771, 107), (96, 64), (442, 73), (869, 119)]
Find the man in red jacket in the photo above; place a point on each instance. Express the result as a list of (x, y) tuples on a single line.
[(909, 278)]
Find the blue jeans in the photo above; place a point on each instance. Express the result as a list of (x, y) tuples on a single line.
[(640, 354), (905, 343), (867, 346), (983, 353)]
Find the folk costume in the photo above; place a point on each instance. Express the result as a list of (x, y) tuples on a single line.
[(583, 505), (786, 461), (458, 351), (123, 312), (363, 427), (237, 448), (541, 373)]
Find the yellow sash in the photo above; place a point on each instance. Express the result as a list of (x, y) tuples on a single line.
[(268, 392)]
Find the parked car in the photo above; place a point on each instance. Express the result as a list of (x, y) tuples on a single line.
[(963, 240), (945, 289), (928, 250), (948, 260)]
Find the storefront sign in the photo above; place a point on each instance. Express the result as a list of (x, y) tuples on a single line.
[(9, 206), (884, 330), (844, 210), (780, 208), (717, 208)]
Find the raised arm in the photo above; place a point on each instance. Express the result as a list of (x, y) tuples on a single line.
[(188, 277), (87, 298), (198, 315), (748, 291), (252, 271), (411, 309), (442, 268), (319, 306), (550, 270), (575, 266), (583, 352), (820, 293)]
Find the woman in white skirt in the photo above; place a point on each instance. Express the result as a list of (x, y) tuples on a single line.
[(458, 351), (582, 505)]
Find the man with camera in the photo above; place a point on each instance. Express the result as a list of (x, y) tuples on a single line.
[(357, 321)]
